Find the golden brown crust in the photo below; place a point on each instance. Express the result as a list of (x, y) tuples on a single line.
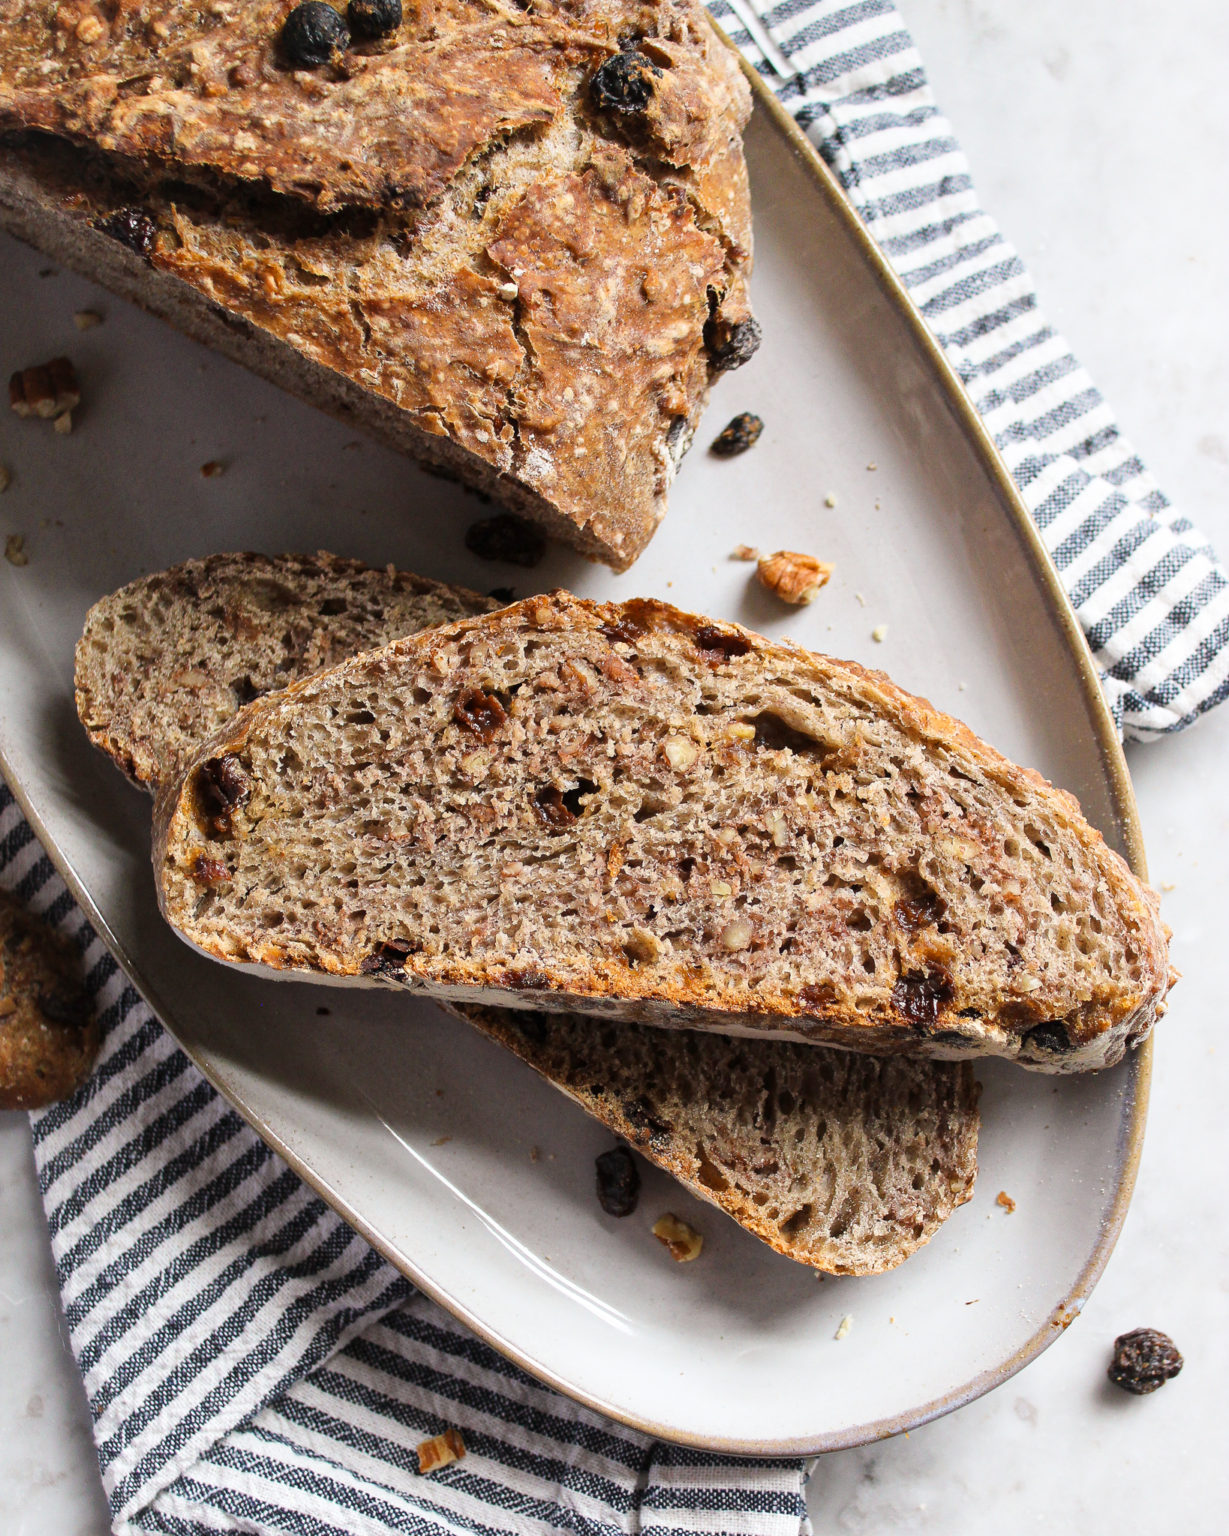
[(48, 1033), (1108, 1013), (449, 221)]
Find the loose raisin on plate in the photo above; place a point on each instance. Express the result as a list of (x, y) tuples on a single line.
[(1144, 1360), (739, 435), (618, 1182), (313, 34), (624, 83), (513, 540), (730, 346), (132, 227), (370, 19)]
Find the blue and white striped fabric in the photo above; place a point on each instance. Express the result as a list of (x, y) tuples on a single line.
[(251, 1364), (1147, 587)]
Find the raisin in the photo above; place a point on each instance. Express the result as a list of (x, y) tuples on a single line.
[(221, 786), (508, 538), (388, 959), (480, 712), (920, 907), (313, 34), (132, 227), (624, 83), (1050, 1038), (209, 872), (373, 18), (526, 980), (551, 809), (730, 346), (71, 1009), (244, 690), (618, 1182), (624, 631), (816, 998), (1144, 1360), (645, 1125), (736, 437), (920, 996), (722, 642)]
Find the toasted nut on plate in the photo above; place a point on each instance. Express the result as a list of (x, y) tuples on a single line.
[(684, 1242), (47, 390), (793, 577)]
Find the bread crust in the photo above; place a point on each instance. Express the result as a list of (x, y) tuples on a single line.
[(1063, 1025), (448, 242)]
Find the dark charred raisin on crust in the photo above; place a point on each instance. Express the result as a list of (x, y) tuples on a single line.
[(618, 1181), (312, 34), (1144, 1360), (507, 538), (919, 996), (370, 19), (1048, 1039), (132, 227), (221, 787), (527, 981), (725, 643), (624, 83), (68, 1008), (730, 346), (388, 959), (624, 630), (816, 997), (737, 436), (551, 810), (479, 711), (645, 1125)]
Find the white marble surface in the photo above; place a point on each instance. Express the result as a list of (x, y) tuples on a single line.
[(1097, 137)]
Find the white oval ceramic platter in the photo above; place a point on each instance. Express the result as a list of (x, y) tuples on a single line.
[(417, 1130)]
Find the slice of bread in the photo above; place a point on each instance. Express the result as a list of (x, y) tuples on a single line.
[(511, 240), (627, 810), (168, 659), (848, 1163), (840, 1161)]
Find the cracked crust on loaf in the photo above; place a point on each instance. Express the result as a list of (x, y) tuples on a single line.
[(631, 811), (450, 241)]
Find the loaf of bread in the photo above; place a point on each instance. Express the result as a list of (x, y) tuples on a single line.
[(840, 1161), (845, 1162), (631, 811), (511, 237)]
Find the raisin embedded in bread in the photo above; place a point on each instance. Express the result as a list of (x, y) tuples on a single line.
[(166, 660), (840, 1161), (510, 239), (845, 1162), (628, 810)]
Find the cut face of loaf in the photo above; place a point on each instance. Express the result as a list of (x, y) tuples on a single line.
[(511, 240), (840, 1161), (844, 1162), (632, 811), (167, 660)]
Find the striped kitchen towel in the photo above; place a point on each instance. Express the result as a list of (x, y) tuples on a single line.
[(1147, 587), (252, 1366)]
